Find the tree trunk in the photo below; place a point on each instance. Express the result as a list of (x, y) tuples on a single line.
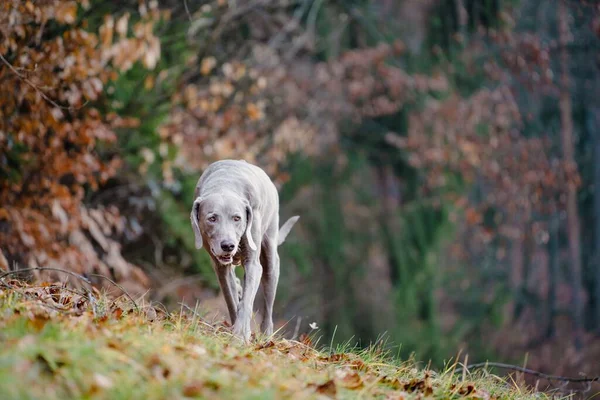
[(389, 191), (595, 128), (568, 144), (414, 14), (553, 273), (462, 18), (526, 254)]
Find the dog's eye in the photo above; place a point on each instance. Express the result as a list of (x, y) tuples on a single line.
[(236, 218), (212, 218)]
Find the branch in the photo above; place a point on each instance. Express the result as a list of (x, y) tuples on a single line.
[(530, 372), (81, 277), (36, 88), (17, 271), (120, 287), (187, 10)]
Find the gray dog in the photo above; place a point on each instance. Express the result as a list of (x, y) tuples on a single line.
[(236, 215)]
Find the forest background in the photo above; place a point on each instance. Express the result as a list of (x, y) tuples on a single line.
[(444, 157)]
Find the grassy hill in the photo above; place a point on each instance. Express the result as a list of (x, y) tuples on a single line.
[(61, 343)]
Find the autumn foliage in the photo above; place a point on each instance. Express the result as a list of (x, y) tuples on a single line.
[(435, 169), (54, 74)]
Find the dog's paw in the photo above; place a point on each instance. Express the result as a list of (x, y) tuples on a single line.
[(242, 331), (267, 326)]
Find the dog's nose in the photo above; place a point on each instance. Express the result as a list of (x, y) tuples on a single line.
[(227, 246)]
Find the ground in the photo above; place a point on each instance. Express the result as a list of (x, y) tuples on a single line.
[(62, 343)]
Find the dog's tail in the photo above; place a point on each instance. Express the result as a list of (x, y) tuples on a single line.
[(286, 228)]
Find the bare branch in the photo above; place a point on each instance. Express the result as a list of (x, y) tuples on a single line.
[(17, 271), (37, 89), (120, 287), (530, 372), (187, 10), (81, 277)]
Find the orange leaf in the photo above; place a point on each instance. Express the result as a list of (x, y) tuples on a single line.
[(328, 388)]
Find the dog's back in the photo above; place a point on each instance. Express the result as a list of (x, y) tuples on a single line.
[(244, 179)]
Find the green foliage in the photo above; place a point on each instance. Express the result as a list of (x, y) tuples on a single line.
[(176, 218), (416, 246)]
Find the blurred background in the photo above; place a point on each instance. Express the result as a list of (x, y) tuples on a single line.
[(444, 157)]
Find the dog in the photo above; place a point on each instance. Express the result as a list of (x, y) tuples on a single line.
[(235, 217)]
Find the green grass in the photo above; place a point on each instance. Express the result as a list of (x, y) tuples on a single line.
[(56, 344)]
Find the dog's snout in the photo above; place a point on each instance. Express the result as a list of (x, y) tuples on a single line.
[(227, 246)]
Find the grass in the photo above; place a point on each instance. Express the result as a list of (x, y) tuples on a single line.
[(64, 344)]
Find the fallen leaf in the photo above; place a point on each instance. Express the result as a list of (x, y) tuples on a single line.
[(102, 381), (198, 351), (38, 320), (266, 345), (3, 261), (349, 379), (393, 382), (193, 389), (335, 358), (328, 388), (117, 312), (207, 65), (305, 339), (419, 385)]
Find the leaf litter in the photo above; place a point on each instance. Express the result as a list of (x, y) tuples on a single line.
[(63, 343)]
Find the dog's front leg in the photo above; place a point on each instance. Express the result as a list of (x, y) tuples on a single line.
[(252, 276), (226, 277)]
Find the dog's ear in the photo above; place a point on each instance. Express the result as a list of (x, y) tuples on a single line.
[(249, 218), (195, 225)]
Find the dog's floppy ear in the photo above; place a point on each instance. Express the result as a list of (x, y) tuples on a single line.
[(195, 225), (249, 218)]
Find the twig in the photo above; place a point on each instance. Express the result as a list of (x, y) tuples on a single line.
[(35, 87), (530, 372), (83, 278), (234, 14), (55, 308), (17, 271), (187, 10), (290, 25), (120, 287), (62, 288)]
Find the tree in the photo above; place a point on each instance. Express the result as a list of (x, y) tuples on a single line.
[(568, 145), (54, 74)]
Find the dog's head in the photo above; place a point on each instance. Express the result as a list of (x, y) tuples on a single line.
[(222, 220)]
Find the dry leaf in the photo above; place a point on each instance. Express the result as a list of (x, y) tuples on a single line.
[(349, 379), (207, 65), (328, 389), (102, 381), (193, 389)]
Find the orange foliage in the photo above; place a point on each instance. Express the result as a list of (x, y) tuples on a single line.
[(51, 70)]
